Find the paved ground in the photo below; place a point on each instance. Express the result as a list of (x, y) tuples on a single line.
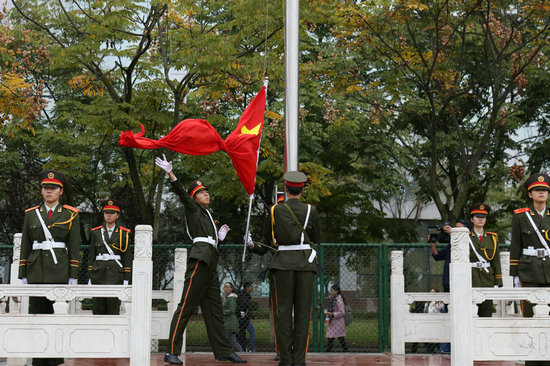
[(313, 359)]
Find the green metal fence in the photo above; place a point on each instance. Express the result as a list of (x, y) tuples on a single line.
[(362, 270)]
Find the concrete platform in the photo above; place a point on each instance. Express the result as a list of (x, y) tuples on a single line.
[(313, 359)]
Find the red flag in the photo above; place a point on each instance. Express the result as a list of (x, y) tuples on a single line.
[(243, 143), (198, 137), (190, 136)]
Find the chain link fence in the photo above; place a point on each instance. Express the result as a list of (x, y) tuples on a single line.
[(362, 272)]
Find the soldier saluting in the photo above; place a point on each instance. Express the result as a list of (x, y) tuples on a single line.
[(50, 245), (484, 256), (529, 250), (202, 284), (109, 258), (293, 228)]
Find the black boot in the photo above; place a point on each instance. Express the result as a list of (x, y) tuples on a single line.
[(232, 357), (172, 359)]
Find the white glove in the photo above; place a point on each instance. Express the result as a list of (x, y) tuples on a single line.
[(72, 281), (517, 282), (223, 232), (248, 240), (125, 282), (89, 282), (495, 286), (164, 164), (24, 281)]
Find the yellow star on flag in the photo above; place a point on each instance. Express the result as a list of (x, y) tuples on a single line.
[(254, 131)]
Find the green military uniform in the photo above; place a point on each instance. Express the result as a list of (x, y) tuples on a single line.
[(42, 261), (106, 268), (486, 272), (529, 268), (37, 265), (293, 269), (202, 285), (529, 258)]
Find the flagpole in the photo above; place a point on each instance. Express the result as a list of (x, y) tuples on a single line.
[(251, 197), (292, 49)]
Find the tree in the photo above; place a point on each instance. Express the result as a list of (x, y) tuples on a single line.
[(20, 90), (440, 82)]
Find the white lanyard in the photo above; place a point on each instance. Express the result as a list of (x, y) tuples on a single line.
[(108, 247), (542, 241), (305, 224), (479, 257), (47, 234)]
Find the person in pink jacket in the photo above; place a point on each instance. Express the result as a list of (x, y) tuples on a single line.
[(336, 323)]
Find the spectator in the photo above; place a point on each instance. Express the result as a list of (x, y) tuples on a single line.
[(445, 253), (336, 327), (230, 316), (245, 317)]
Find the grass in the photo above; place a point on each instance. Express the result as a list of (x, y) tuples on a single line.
[(361, 336)]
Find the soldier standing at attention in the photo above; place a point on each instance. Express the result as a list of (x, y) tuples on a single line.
[(529, 250), (484, 256), (293, 228), (109, 258), (49, 246), (202, 285)]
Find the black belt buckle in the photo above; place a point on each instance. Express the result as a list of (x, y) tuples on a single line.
[(479, 265), (541, 253)]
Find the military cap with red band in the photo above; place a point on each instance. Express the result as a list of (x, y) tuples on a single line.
[(195, 187), (539, 180), (111, 205), (295, 179), (479, 209), (51, 178)]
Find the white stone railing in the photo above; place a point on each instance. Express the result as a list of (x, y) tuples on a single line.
[(435, 327), (496, 338), (414, 327), (83, 335)]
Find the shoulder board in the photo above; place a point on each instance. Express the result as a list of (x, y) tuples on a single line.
[(123, 228), (32, 208), (70, 208), (490, 233), (99, 227), (521, 210)]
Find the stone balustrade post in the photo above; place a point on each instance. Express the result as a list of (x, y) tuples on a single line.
[(22, 303), (398, 305), (461, 298), (142, 293)]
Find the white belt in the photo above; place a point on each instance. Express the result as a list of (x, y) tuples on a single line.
[(107, 257), (294, 247), (480, 264), (539, 252), (46, 245), (300, 247), (206, 239)]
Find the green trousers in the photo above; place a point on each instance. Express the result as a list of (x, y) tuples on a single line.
[(293, 291), (105, 306), (485, 309), (202, 287)]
